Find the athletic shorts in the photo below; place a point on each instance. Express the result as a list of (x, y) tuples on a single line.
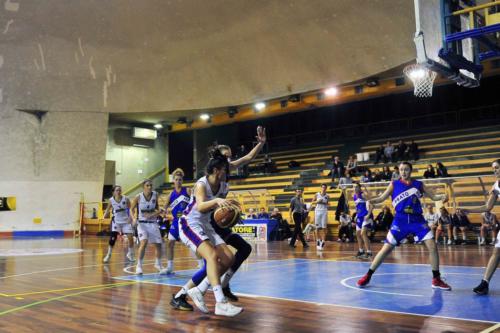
[(361, 223), (321, 218), (193, 234), (497, 242), (124, 228), (405, 224), (173, 233), (459, 223), (149, 232)]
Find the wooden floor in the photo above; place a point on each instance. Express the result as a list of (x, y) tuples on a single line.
[(75, 292)]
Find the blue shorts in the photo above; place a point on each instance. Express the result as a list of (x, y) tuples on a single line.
[(405, 224), (173, 233), (361, 223)]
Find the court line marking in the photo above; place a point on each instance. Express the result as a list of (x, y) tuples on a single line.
[(491, 329)]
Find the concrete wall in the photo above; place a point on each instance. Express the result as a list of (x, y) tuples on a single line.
[(48, 164), (134, 164)]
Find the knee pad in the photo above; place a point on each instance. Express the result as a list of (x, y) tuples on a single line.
[(113, 237)]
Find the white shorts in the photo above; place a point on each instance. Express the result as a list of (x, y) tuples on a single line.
[(149, 232), (193, 234), (124, 228), (497, 243), (321, 218), (364, 224)]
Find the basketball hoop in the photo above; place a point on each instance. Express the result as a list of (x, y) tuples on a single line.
[(422, 78)]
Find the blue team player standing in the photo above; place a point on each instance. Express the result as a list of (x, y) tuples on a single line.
[(363, 222), (406, 193)]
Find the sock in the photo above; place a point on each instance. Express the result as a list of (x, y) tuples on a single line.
[(226, 277), (201, 262), (110, 249), (139, 262), (131, 250), (370, 272), (486, 281), (157, 262), (464, 237), (203, 286), (219, 295), (361, 250), (170, 265), (183, 291), (436, 274), (369, 251)]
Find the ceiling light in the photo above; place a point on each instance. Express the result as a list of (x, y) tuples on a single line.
[(260, 106), (205, 116), (158, 126), (332, 91)]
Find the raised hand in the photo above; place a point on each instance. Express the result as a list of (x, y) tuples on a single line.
[(261, 134)]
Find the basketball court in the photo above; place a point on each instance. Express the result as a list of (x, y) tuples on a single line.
[(97, 96)]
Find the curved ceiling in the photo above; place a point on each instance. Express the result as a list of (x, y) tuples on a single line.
[(165, 55)]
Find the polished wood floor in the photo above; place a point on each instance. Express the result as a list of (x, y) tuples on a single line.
[(75, 292)]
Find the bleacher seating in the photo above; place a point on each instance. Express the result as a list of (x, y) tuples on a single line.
[(465, 153)]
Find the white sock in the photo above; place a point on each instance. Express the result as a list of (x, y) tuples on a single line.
[(183, 290), (201, 263), (158, 262), (110, 249), (170, 265), (131, 250), (361, 250), (204, 285), (139, 262), (219, 295), (464, 237), (226, 278)]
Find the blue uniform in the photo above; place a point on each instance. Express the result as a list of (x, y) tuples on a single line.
[(408, 218), (178, 203), (361, 211)]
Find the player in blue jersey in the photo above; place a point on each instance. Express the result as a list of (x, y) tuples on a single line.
[(199, 284), (494, 195), (363, 221), (177, 202), (406, 193)]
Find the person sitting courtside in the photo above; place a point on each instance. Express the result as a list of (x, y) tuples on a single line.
[(263, 214)]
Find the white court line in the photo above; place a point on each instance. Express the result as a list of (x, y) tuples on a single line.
[(344, 283), (491, 329)]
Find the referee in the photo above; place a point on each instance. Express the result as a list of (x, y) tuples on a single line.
[(297, 213)]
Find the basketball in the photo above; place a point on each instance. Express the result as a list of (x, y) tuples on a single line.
[(226, 217)]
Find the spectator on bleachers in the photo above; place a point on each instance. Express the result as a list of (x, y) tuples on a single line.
[(429, 172), (444, 224), (441, 170), (388, 152), (387, 173), (251, 214), (345, 228), (345, 181), (384, 219), (283, 227), (367, 177), (400, 151), (413, 152), (337, 170), (395, 173), (488, 226), (459, 221), (377, 176), (432, 219), (352, 165), (379, 154), (263, 214)]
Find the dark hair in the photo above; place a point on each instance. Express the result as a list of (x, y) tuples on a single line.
[(147, 180), (323, 185), (408, 164), (115, 187), (216, 161)]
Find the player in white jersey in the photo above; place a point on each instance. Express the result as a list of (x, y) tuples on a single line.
[(199, 235), (120, 222), (321, 216), (483, 287), (145, 211)]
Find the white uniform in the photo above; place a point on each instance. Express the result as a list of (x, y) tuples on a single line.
[(194, 226), (321, 210), (496, 189), (147, 228), (432, 219), (121, 220)]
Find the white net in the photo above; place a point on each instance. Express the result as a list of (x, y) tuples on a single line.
[(422, 78)]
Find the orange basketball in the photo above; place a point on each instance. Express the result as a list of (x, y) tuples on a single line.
[(226, 217)]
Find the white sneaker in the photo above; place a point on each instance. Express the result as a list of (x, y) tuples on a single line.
[(158, 267), (106, 259), (347, 240), (138, 270), (166, 271), (130, 257), (449, 242), (198, 300), (339, 240), (227, 309)]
